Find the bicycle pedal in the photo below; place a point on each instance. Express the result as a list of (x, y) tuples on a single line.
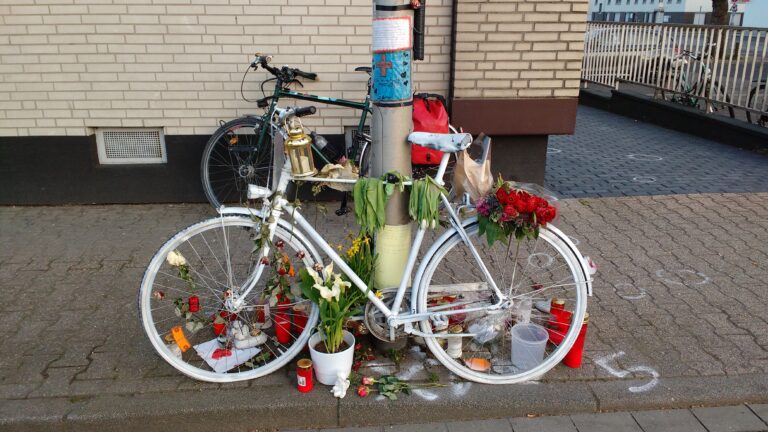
[(342, 211)]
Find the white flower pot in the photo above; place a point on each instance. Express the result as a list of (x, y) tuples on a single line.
[(328, 366)]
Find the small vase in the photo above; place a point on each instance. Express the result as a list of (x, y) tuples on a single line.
[(329, 365)]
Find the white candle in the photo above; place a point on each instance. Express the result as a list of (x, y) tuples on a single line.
[(304, 164), (454, 343)]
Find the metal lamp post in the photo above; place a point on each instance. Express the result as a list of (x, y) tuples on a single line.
[(390, 125)]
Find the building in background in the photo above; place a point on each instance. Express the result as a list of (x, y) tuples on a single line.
[(159, 75), (666, 11)]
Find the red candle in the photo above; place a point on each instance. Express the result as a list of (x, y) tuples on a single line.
[(576, 354), (558, 322), (261, 313), (194, 304), (282, 328), (219, 329), (299, 319), (283, 303), (304, 375)]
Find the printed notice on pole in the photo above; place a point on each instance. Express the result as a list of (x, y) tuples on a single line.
[(391, 34)]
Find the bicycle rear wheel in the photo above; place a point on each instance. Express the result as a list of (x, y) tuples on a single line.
[(183, 311), (233, 159), (531, 273)]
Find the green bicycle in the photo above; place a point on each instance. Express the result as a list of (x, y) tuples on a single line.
[(240, 152)]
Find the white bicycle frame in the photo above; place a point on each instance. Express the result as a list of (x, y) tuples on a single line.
[(273, 211)]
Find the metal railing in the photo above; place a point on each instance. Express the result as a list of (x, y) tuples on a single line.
[(709, 67)]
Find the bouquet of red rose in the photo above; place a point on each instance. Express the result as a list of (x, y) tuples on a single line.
[(508, 209)]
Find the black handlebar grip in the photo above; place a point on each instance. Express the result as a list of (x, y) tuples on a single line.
[(308, 75), (305, 111)]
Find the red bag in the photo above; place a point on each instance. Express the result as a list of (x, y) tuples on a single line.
[(429, 115)]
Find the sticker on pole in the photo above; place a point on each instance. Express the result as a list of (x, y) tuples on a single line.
[(391, 34)]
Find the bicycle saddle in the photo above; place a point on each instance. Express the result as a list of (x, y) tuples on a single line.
[(366, 69), (449, 143)]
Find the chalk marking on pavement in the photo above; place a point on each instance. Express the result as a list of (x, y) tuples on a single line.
[(415, 368), (621, 373), (553, 150), (626, 296), (704, 278), (550, 260), (644, 179), (461, 388), (644, 157)]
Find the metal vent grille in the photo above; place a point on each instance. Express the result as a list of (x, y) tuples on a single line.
[(350, 131), (130, 146)]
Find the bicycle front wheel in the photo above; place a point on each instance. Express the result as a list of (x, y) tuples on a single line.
[(233, 159), (531, 274), (183, 309)]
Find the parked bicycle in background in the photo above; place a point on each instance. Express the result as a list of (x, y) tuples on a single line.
[(241, 152)]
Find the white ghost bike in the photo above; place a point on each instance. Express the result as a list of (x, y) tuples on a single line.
[(460, 279)]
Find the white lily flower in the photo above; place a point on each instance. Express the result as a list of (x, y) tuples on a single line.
[(328, 272), (328, 293), (315, 276), (338, 282), (176, 259)]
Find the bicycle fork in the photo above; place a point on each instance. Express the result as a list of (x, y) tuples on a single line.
[(273, 212)]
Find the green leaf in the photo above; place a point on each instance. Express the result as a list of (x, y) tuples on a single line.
[(389, 188), (492, 232)]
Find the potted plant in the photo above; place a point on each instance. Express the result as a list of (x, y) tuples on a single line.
[(332, 347)]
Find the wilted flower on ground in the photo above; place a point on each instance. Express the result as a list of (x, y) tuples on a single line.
[(362, 391)]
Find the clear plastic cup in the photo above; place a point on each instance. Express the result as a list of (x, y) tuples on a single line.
[(528, 344)]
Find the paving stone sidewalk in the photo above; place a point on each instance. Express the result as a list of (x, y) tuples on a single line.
[(742, 418), (612, 155), (679, 319)]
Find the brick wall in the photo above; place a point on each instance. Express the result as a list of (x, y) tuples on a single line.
[(67, 68), (519, 48)]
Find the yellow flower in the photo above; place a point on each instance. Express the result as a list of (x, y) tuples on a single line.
[(354, 249), (379, 294), (340, 247)]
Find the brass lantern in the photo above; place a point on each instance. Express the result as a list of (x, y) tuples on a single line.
[(299, 149)]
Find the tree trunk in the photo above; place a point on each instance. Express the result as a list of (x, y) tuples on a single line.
[(719, 12)]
